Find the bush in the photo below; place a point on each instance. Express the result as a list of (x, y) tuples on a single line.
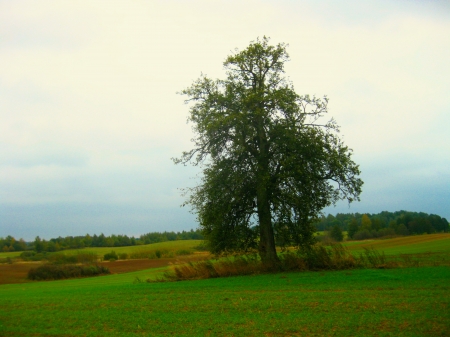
[(336, 257), (87, 257), (58, 272), (123, 256), (386, 232), (325, 239), (61, 258), (33, 256), (203, 246), (336, 233), (110, 256), (373, 259), (152, 254), (240, 265), (363, 235), (183, 252), (26, 255), (8, 260)]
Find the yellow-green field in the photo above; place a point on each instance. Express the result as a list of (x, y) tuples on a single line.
[(416, 244), (100, 251)]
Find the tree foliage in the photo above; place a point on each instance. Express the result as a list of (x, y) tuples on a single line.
[(270, 164), (336, 233), (384, 224), (10, 244)]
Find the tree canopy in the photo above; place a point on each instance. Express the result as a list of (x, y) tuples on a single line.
[(270, 164)]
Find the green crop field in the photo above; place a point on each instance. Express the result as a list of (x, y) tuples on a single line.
[(396, 302), (360, 302)]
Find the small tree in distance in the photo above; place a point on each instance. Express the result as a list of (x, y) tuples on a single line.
[(336, 233), (270, 165), (352, 228)]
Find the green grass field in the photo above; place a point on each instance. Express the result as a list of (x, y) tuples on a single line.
[(360, 302), (396, 302)]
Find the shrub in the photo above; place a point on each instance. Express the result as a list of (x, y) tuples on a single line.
[(152, 254), (183, 252), (86, 257), (123, 256), (203, 246), (170, 254), (8, 260), (386, 232), (61, 258), (363, 235), (140, 255), (336, 233), (33, 256), (292, 262), (110, 256), (239, 265), (57, 272), (373, 259), (26, 255), (325, 239)]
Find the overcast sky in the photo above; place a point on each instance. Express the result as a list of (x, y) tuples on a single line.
[(89, 115)]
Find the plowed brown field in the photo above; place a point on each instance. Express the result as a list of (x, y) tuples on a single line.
[(16, 272)]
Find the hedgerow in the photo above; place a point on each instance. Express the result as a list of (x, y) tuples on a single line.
[(58, 272)]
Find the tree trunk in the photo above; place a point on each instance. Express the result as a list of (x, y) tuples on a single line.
[(267, 250)]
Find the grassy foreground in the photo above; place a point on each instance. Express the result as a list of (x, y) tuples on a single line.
[(394, 302)]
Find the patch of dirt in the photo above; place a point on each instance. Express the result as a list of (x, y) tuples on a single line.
[(16, 272), (126, 266)]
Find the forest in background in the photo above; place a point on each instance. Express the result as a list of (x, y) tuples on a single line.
[(384, 224), (10, 244)]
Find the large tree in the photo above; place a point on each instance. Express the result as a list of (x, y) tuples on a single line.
[(270, 165)]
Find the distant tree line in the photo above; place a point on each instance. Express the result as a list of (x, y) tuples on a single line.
[(10, 244), (358, 227), (366, 226)]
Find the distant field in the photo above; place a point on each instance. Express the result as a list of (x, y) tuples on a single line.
[(17, 272), (168, 245), (100, 251), (396, 302), (415, 244)]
